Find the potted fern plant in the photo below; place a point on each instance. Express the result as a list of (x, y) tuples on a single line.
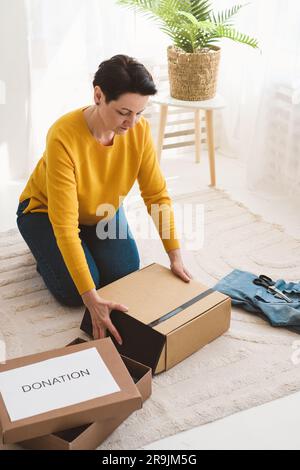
[(194, 57)]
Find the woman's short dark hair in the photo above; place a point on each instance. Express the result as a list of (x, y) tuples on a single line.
[(122, 74)]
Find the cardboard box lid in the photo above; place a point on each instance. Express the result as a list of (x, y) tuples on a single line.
[(100, 408), (91, 436)]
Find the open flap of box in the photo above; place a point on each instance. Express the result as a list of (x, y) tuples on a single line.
[(140, 342), (141, 374)]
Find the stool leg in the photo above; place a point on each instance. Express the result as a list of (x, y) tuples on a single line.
[(161, 131), (197, 135), (211, 146)]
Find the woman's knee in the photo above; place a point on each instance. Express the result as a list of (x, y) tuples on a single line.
[(69, 301), (65, 290), (68, 293), (50, 263)]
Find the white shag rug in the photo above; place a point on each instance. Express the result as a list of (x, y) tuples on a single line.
[(248, 366)]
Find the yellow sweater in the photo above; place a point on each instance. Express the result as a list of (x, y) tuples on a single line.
[(77, 173)]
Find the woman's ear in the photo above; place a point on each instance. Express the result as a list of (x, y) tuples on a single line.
[(97, 95)]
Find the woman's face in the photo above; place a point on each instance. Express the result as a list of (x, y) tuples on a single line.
[(122, 114)]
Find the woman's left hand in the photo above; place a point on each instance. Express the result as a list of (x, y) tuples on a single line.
[(177, 267)]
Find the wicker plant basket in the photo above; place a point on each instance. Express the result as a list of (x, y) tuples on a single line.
[(193, 77)]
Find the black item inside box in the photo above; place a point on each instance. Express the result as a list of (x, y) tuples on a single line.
[(135, 377), (140, 342), (70, 435)]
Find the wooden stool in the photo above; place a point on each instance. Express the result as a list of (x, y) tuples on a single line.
[(208, 106)]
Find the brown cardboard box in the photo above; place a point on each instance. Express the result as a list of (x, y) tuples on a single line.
[(168, 319), (107, 407), (90, 436)]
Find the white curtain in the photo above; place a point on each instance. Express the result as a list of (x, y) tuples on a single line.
[(14, 89), (275, 163), (50, 50), (262, 118), (68, 39)]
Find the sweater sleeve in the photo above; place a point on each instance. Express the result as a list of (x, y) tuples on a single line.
[(155, 195), (63, 211)]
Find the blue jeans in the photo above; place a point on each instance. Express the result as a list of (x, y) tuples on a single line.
[(245, 294), (108, 259)]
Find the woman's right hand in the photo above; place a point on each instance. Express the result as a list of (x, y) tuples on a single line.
[(100, 314)]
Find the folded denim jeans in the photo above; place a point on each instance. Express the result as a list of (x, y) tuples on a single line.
[(257, 299)]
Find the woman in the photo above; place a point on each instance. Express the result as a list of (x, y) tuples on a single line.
[(92, 158)]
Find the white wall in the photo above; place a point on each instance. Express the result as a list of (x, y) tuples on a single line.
[(14, 98)]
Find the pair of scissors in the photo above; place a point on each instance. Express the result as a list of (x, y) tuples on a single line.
[(268, 283)]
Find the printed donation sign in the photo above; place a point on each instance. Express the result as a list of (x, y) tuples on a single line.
[(55, 383)]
